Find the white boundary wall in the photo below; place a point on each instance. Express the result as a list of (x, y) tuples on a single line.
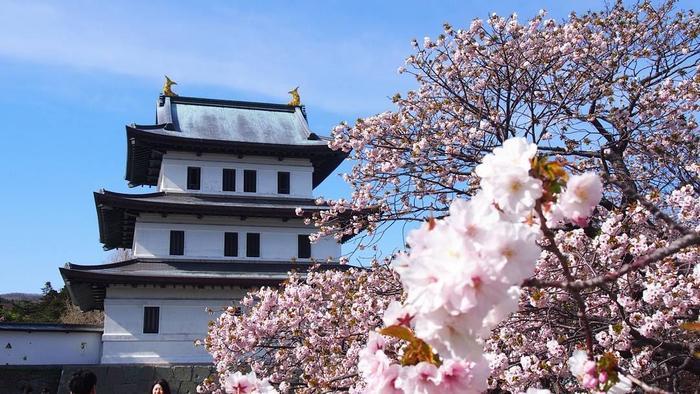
[(30, 346)]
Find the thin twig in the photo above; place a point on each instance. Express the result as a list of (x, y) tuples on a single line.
[(575, 294), (644, 386), (648, 205), (688, 240)]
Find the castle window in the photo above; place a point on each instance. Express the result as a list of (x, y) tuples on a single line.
[(177, 243), (194, 175), (283, 182), (252, 248), (230, 244), (304, 246), (249, 181), (151, 319), (229, 180)]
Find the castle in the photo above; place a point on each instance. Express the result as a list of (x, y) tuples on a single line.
[(229, 177)]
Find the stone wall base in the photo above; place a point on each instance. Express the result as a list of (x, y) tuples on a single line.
[(111, 379), (34, 379)]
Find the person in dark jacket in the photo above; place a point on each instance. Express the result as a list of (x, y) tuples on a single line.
[(83, 382)]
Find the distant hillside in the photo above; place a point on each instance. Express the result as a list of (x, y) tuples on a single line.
[(50, 306), (21, 296)]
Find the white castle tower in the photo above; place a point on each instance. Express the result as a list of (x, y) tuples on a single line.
[(229, 176)]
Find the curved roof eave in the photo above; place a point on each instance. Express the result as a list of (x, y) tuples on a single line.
[(145, 148)]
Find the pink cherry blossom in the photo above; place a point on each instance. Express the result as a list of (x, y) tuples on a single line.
[(421, 378), (397, 314), (238, 383), (581, 196), (460, 376)]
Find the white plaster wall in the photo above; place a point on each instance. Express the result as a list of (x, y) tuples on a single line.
[(154, 352), (49, 347), (278, 239), (183, 320), (173, 174)]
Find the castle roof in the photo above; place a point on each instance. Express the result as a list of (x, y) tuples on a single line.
[(87, 283), (224, 126), (49, 327), (117, 212)]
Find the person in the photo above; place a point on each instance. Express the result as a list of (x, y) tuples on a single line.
[(83, 382), (160, 386)]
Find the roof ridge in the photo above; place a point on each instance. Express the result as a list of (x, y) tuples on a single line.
[(232, 103), (43, 326)]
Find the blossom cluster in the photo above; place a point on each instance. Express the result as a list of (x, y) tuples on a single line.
[(239, 383), (649, 307), (384, 376), (462, 274), (481, 82), (577, 201), (305, 336), (598, 376)]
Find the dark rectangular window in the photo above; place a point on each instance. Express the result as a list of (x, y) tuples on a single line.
[(229, 180), (151, 319), (177, 243), (231, 244), (304, 248), (249, 181), (252, 245), (194, 175), (283, 182)]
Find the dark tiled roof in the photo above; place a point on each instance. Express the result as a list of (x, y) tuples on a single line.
[(238, 121), (12, 326), (210, 201), (116, 212), (87, 283), (221, 126)]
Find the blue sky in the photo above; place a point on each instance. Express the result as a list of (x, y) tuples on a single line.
[(72, 74)]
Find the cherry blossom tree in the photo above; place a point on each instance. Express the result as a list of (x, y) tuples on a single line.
[(305, 336), (463, 276), (613, 92), (554, 168)]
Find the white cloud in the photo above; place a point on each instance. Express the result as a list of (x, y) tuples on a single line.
[(261, 53)]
